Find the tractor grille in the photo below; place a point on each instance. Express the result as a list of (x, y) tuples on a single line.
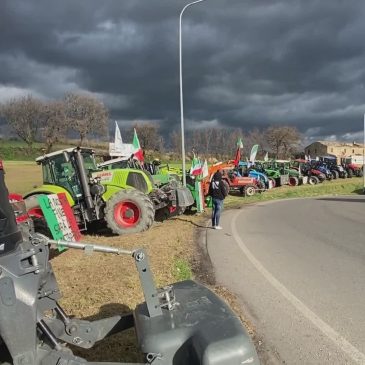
[(138, 181)]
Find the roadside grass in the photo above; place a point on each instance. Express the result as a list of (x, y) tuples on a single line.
[(182, 270)]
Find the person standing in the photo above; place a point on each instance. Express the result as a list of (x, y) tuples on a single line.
[(218, 191)]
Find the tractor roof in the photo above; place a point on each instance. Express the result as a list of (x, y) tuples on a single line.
[(59, 152)]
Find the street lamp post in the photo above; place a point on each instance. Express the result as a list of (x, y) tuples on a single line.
[(181, 92)]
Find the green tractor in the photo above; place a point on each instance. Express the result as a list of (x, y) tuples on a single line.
[(123, 199), (269, 168), (295, 176), (160, 177)]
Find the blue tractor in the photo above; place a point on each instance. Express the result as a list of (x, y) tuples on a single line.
[(247, 169)]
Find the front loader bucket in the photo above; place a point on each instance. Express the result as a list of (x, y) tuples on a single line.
[(201, 329)]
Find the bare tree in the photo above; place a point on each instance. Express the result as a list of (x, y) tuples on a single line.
[(175, 138), (24, 115), (283, 140), (149, 136), (54, 123), (85, 114)]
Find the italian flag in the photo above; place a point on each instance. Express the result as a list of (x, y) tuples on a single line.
[(59, 217), (138, 153), (196, 166), (238, 152)]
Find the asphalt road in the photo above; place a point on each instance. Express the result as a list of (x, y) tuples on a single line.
[(298, 269)]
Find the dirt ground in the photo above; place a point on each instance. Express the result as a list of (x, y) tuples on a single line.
[(102, 285)]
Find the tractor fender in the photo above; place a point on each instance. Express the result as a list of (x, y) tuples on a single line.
[(31, 200), (111, 190)]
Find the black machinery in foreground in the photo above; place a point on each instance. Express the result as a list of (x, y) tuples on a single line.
[(184, 323)]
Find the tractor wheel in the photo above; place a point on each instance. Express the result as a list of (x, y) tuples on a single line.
[(129, 211), (40, 226), (293, 181), (39, 222), (335, 174), (359, 173), (313, 180), (250, 190), (350, 173)]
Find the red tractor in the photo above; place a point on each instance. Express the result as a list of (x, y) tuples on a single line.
[(247, 186), (352, 168)]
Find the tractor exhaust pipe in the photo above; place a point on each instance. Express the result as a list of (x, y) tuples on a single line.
[(83, 179), (10, 235)]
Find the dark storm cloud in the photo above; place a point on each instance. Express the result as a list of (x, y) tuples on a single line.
[(246, 63)]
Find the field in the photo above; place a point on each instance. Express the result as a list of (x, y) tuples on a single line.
[(102, 285)]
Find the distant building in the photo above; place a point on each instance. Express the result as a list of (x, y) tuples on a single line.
[(338, 149)]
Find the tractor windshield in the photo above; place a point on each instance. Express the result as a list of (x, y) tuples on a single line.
[(57, 170)]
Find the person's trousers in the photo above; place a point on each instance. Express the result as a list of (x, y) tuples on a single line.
[(216, 211)]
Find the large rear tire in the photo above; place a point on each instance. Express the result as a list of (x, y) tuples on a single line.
[(335, 174), (129, 211), (350, 173)]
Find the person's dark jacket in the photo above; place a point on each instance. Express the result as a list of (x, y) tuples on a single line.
[(217, 189)]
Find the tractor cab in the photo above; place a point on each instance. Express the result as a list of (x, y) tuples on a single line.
[(60, 168)]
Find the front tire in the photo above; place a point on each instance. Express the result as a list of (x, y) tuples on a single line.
[(293, 181), (312, 180), (250, 190), (129, 211)]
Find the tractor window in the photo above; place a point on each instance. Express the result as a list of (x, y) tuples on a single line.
[(47, 176), (64, 173)]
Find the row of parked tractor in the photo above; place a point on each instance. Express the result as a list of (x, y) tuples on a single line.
[(249, 178), (127, 196)]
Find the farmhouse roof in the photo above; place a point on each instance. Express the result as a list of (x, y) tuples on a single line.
[(339, 144)]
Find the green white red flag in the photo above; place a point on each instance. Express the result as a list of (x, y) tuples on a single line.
[(239, 143), (138, 153), (59, 217), (205, 171), (238, 152), (196, 166)]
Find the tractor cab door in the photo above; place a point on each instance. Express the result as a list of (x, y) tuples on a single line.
[(58, 171)]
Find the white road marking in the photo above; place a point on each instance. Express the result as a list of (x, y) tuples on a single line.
[(339, 341)]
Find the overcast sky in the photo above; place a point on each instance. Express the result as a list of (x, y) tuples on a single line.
[(247, 63)]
